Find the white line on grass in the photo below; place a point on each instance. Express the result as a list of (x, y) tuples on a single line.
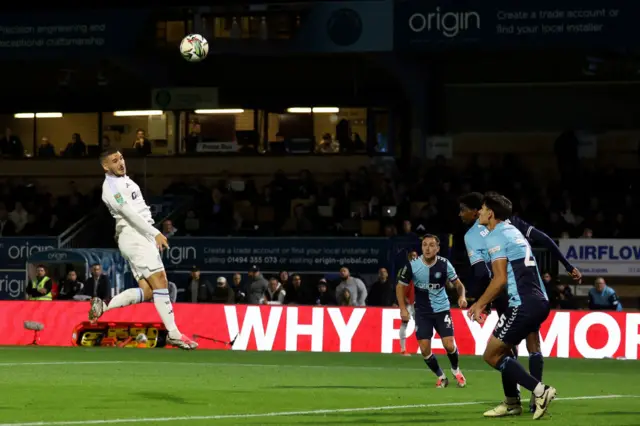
[(248, 365), (286, 413)]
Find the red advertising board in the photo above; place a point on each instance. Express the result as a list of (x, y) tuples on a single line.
[(565, 334)]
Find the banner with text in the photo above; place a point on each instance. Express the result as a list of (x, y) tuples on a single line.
[(420, 25), (575, 334), (15, 251), (12, 284), (603, 257), (51, 34), (276, 254)]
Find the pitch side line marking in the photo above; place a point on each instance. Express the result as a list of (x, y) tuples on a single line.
[(250, 365), (286, 413)]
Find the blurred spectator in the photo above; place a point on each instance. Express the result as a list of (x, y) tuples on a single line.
[(257, 286), (324, 296), (39, 288), (7, 227), (198, 289), (97, 285), (299, 223), (240, 288), (603, 297), (19, 216), (223, 293), (297, 293), (70, 286), (142, 144), (383, 291), (357, 291), (11, 145), (565, 297), (551, 288), (168, 230), (33, 226), (284, 278), (76, 148), (345, 299), (46, 149), (274, 294), (192, 223)]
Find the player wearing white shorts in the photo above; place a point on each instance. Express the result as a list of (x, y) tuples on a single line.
[(141, 244)]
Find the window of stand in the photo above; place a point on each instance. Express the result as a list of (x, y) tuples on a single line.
[(320, 129)]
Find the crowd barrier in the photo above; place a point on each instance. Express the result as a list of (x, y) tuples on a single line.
[(565, 334)]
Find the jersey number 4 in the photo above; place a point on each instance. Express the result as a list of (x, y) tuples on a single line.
[(529, 260)]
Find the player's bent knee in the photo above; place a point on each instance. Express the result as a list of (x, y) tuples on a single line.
[(158, 280), (449, 344), (425, 347)]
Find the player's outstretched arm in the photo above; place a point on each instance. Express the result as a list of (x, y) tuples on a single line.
[(537, 236)]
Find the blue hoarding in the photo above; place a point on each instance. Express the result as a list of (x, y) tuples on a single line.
[(58, 33), (15, 251), (573, 23), (12, 285), (365, 255)]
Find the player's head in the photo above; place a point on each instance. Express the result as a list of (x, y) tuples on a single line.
[(430, 246), (495, 208), (413, 255), (470, 205), (113, 162)]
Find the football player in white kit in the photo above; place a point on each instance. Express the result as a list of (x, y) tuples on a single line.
[(141, 244)]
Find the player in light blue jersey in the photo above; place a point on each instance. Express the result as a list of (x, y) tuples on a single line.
[(513, 266), (470, 205), (429, 274)]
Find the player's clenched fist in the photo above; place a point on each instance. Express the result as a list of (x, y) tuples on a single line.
[(161, 242)]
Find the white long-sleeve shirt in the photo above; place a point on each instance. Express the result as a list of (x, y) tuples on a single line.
[(127, 206)]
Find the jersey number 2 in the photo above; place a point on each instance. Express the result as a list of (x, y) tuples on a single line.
[(529, 260)]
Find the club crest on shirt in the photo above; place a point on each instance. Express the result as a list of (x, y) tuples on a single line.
[(438, 275), (119, 198)]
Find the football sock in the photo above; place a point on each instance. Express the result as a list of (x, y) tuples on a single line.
[(453, 359), (517, 373), (165, 310), (536, 363), (432, 363), (403, 336), (510, 387), (128, 297)]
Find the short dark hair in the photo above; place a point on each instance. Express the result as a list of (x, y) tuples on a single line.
[(107, 152), (95, 264), (435, 237), (41, 266), (500, 205), (472, 200)]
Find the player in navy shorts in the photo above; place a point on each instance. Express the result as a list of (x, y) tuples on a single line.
[(514, 267), (430, 274), (474, 239)]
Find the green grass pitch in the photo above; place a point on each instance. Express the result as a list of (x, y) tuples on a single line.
[(80, 386)]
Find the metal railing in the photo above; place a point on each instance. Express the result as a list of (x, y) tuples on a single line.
[(70, 237)]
